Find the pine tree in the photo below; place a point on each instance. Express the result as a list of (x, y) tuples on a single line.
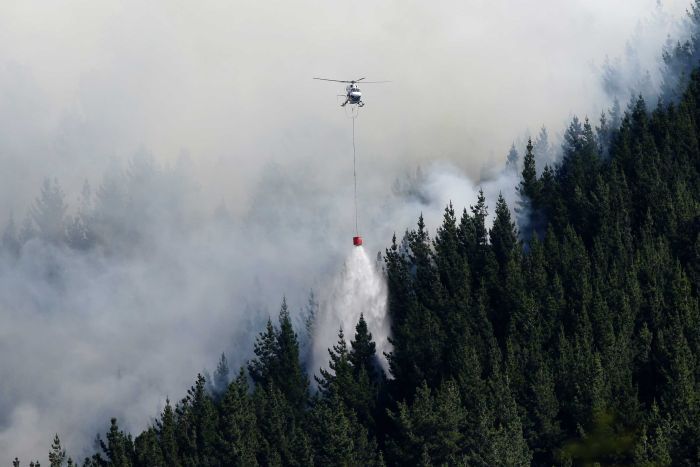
[(529, 193), (290, 376), (79, 229), (401, 297), (204, 422), (57, 456), (452, 267), (422, 338), (432, 424), (275, 426), (368, 376), (604, 135), (221, 375), (512, 159), (455, 277), (118, 447), (338, 438), (49, 212), (480, 213), (403, 308), (165, 429), (426, 281), (652, 448), (543, 431), (263, 368), (503, 235), (362, 355), (505, 443), (529, 184), (332, 432), (310, 313), (340, 382), (196, 432), (542, 149), (147, 450), (237, 428)]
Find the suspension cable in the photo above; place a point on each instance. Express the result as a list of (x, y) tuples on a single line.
[(354, 173)]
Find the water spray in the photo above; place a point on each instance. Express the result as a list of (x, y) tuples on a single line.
[(359, 288)]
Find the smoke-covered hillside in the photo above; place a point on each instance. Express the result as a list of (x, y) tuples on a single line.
[(576, 345), (160, 203)]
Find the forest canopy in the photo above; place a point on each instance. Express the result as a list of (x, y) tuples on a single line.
[(571, 341)]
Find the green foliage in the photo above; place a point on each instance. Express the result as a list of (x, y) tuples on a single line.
[(604, 443), (262, 369), (503, 235), (117, 448), (277, 361), (579, 345), (238, 425), (221, 375), (339, 380), (57, 455), (147, 449), (165, 429), (196, 428), (430, 428), (332, 432)]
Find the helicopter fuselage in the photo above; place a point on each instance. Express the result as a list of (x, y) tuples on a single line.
[(354, 95)]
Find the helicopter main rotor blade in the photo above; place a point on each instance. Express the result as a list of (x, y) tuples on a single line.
[(334, 80), (360, 79), (375, 82)]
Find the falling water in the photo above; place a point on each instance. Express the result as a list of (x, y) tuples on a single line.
[(360, 288)]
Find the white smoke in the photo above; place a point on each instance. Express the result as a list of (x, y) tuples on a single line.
[(112, 331), (85, 336), (638, 71), (358, 289)]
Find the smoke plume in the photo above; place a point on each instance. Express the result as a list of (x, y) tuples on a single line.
[(195, 174)]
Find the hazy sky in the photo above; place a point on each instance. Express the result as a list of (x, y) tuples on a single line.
[(226, 87), (229, 83)]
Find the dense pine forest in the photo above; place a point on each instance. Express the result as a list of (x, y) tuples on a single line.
[(573, 341)]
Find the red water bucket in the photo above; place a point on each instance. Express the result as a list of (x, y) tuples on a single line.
[(357, 241)]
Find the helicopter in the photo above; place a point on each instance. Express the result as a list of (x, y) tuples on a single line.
[(353, 95)]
